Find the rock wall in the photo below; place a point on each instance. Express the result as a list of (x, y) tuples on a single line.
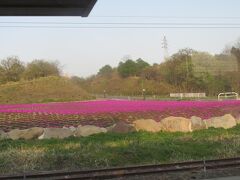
[(169, 124)]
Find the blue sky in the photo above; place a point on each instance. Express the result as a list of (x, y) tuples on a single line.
[(83, 51)]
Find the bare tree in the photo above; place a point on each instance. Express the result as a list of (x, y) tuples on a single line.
[(41, 68), (11, 69)]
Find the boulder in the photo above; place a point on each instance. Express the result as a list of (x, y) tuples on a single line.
[(197, 123), (227, 121), (27, 134), (14, 134), (148, 125), (89, 130), (72, 128), (122, 127), (109, 128), (238, 119), (56, 133), (176, 124), (3, 135)]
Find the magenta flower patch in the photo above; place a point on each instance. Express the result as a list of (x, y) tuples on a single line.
[(104, 113)]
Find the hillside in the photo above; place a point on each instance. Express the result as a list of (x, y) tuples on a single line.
[(48, 89), (183, 72), (131, 86)]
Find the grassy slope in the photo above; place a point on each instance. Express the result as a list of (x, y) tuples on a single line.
[(107, 150), (47, 89), (131, 86)]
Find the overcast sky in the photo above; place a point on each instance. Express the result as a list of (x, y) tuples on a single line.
[(83, 51)]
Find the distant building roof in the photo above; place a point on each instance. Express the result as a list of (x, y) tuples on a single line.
[(46, 7)]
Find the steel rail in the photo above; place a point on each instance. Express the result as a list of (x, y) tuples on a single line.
[(132, 171)]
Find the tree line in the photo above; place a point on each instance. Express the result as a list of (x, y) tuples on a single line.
[(12, 69), (185, 71)]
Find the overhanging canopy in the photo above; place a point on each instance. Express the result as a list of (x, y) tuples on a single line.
[(46, 7)]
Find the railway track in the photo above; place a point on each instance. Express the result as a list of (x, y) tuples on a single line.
[(132, 171)]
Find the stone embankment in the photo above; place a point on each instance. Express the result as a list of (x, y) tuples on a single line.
[(169, 124)]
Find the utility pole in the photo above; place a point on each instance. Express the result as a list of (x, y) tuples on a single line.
[(104, 94), (165, 48), (143, 91), (187, 70)]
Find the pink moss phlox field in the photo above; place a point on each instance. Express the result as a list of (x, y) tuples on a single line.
[(187, 108)]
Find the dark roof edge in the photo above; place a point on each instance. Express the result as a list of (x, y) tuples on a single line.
[(89, 8), (46, 8)]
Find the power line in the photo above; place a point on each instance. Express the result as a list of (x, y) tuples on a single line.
[(122, 23), (170, 17), (126, 27)]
